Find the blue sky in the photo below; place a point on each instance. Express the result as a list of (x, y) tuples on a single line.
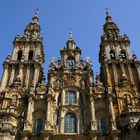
[(85, 18)]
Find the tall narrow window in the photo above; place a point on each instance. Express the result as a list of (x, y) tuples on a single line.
[(30, 55), (123, 54), (59, 100), (19, 56), (112, 55), (38, 126), (70, 124), (70, 97), (102, 127), (81, 100)]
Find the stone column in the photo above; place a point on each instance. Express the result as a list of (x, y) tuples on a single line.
[(29, 121), (62, 123), (4, 77), (36, 75), (130, 74), (27, 77), (107, 75), (93, 120), (122, 68), (48, 115), (21, 74), (78, 97), (63, 97), (115, 74), (113, 118), (12, 74)]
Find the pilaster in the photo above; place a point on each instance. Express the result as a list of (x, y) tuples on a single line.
[(27, 77), (36, 74), (12, 74), (112, 112), (115, 73), (93, 120), (21, 74), (48, 116), (29, 121), (131, 74)]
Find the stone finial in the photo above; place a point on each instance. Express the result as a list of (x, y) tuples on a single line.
[(98, 80), (70, 43), (108, 18), (35, 18), (134, 56), (70, 36)]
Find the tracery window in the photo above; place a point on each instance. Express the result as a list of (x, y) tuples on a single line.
[(70, 123), (102, 126), (38, 126), (70, 97)]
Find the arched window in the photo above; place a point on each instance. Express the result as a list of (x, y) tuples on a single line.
[(102, 127), (70, 97), (112, 55), (123, 54), (30, 55), (38, 126), (70, 123), (19, 56)]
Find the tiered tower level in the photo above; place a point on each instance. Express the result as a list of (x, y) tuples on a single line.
[(70, 105)]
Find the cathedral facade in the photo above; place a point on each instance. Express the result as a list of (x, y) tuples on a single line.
[(71, 105)]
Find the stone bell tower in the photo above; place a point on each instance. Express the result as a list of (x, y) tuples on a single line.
[(120, 73), (27, 57), (70, 113), (22, 70)]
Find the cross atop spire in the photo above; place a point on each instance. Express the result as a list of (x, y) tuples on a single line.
[(35, 18), (37, 12), (108, 17)]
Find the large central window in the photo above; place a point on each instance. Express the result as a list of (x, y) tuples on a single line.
[(38, 126), (70, 123), (102, 127), (70, 97)]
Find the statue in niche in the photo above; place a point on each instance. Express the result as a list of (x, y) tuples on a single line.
[(70, 63), (53, 63), (14, 100)]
